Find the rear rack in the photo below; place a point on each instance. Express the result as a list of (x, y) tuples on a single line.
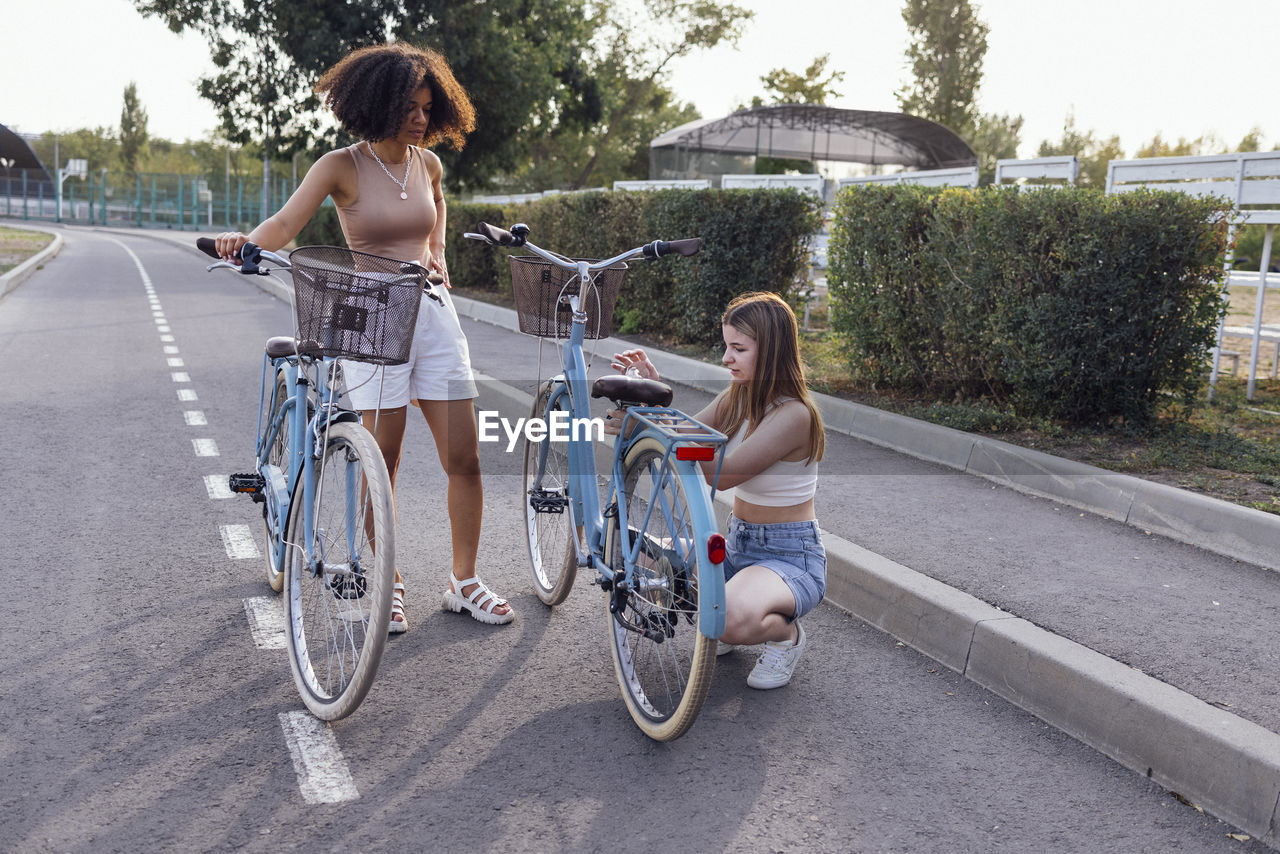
[(682, 430)]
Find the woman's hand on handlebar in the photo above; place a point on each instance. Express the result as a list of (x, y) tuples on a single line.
[(627, 359), (228, 245)]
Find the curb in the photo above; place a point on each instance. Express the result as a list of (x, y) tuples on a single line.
[(23, 271), (1224, 763), (1198, 520)]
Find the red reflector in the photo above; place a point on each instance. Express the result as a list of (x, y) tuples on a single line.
[(715, 548), (695, 452)]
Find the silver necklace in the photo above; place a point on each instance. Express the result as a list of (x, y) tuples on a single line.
[(399, 183)]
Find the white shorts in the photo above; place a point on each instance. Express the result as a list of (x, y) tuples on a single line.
[(439, 366)]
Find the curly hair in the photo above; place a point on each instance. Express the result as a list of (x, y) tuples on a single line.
[(368, 88)]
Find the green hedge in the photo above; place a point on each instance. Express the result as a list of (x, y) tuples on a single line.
[(1064, 303), (751, 240)]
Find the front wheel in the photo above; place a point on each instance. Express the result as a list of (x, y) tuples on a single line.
[(663, 662), (548, 515), (338, 600), (278, 456)]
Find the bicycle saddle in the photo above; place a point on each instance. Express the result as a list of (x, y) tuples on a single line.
[(280, 346), (632, 391)]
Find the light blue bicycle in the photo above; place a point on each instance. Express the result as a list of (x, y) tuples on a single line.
[(651, 538), (321, 480)]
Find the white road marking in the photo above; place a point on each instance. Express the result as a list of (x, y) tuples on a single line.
[(162, 328), (187, 394), (171, 350), (217, 487), (266, 621), (155, 312), (195, 418), (205, 447), (166, 337), (175, 362), (161, 323), (181, 377), (239, 542), (323, 775)]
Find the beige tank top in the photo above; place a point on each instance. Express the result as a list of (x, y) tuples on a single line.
[(378, 221)]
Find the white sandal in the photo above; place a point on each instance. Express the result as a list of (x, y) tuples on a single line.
[(480, 604), (397, 607)]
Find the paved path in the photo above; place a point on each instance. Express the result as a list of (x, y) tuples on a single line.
[(1138, 618)]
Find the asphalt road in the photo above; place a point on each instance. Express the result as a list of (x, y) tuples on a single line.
[(141, 714)]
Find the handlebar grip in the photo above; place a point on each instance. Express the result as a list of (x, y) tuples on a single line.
[(502, 237), (658, 248), (208, 247)]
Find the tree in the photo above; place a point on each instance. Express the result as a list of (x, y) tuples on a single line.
[(994, 138), (134, 140), (633, 49), (517, 58), (1093, 153), (813, 86), (948, 45)]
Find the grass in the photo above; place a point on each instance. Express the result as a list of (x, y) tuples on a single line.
[(17, 246)]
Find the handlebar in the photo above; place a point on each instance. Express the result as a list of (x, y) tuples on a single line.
[(251, 256), (519, 236)]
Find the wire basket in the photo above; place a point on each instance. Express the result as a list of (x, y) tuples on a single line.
[(353, 305), (542, 290)]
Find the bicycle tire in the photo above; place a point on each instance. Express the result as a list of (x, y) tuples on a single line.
[(276, 455), (664, 681), (336, 622), (548, 516)]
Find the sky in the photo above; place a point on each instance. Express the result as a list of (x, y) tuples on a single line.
[(1132, 68)]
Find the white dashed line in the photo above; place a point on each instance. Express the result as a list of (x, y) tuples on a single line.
[(176, 362), (239, 542), (266, 621), (205, 447), (187, 394), (181, 377), (171, 350), (195, 418), (162, 328), (166, 337), (217, 487), (322, 773)]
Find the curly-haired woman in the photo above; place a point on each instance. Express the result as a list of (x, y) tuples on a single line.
[(396, 99)]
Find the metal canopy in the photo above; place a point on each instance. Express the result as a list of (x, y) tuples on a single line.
[(813, 132)]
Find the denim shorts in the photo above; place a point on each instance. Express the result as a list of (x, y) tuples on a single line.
[(791, 549)]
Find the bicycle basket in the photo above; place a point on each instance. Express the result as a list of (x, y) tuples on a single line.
[(542, 289), (354, 305)]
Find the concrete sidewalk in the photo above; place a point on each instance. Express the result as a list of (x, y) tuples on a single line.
[(1055, 625)]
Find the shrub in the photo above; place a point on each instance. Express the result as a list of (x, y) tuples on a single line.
[(1064, 303), (752, 240)]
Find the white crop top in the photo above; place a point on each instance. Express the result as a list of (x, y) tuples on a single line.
[(783, 484)]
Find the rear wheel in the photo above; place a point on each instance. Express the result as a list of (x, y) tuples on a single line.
[(663, 662), (548, 516), (338, 609)]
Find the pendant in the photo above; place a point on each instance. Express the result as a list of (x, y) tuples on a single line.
[(403, 194)]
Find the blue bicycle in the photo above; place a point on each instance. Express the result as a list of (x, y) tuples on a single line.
[(652, 538), (321, 480)]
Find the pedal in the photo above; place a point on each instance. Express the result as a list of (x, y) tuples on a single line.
[(547, 501), (250, 484)]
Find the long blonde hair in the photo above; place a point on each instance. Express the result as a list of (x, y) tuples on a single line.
[(767, 319)]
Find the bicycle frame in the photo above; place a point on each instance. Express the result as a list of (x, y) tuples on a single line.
[(668, 426), (306, 444)]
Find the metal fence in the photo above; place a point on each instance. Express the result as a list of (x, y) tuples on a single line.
[(147, 200)]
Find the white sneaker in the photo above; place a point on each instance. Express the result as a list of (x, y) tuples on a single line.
[(777, 663), (724, 648)]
